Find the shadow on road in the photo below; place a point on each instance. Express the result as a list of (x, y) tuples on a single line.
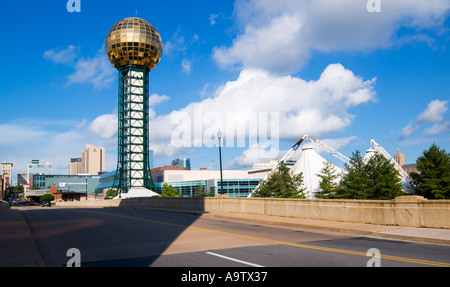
[(125, 236)]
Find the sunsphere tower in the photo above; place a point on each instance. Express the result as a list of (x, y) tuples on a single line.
[(134, 47)]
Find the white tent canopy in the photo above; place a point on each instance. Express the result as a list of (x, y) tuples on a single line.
[(310, 163)]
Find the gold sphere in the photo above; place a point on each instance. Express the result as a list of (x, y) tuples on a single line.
[(133, 41)]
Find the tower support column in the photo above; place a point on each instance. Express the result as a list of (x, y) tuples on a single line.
[(133, 167)]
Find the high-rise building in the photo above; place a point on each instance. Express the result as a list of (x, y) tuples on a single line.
[(37, 168), (75, 166), (182, 162), (22, 179), (93, 160), (6, 172)]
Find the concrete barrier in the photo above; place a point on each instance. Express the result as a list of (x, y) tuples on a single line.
[(408, 211), (3, 204)]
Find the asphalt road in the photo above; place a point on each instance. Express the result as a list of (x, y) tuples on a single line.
[(118, 237)]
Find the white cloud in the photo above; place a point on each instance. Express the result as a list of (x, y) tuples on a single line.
[(434, 112), (439, 128), (303, 107), (64, 56), (255, 153), (408, 131), (97, 71), (186, 66), (177, 44), (281, 37), (156, 99), (105, 126), (212, 19)]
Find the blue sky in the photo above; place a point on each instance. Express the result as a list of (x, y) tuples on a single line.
[(327, 68)]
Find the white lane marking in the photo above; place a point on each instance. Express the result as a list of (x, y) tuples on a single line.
[(234, 259)]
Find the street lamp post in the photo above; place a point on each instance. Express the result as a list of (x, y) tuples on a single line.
[(219, 136)]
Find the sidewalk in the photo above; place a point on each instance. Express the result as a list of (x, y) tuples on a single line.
[(17, 247)]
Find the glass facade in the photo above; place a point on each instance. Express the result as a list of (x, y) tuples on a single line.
[(238, 187), (65, 183), (39, 181), (232, 187), (186, 188), (182, 162), (41, 169)]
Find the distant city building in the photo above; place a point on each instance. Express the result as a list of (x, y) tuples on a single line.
[(399, 158), (67, 183), (37, 168), (75, 166), (182, 162), (22, 179), (6, 172), (236, 183), (93, 160)]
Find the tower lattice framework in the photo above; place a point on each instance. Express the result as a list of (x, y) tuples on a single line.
[(133, 165)]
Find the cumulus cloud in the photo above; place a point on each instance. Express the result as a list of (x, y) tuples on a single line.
[(408, 131), (156, 99), (255, 153), (105, 126), (96, 70), (434, 112), (62, 56), (439, 128), (281, 37), (282, 106)]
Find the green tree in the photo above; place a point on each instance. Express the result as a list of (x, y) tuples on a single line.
[(384, 180), (375, 178), (110, 193), (169, 191), (433, 179), (280, 184), (354, 181), (201, 192), (328, 183)]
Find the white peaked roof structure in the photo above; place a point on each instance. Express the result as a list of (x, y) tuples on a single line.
[(369, 153), (311, 163)]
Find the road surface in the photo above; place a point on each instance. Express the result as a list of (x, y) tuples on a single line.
[(119, 237)]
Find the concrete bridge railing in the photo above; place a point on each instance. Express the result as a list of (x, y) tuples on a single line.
[(410, 211)]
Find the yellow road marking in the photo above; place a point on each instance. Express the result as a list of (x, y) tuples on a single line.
[(278, 242)]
